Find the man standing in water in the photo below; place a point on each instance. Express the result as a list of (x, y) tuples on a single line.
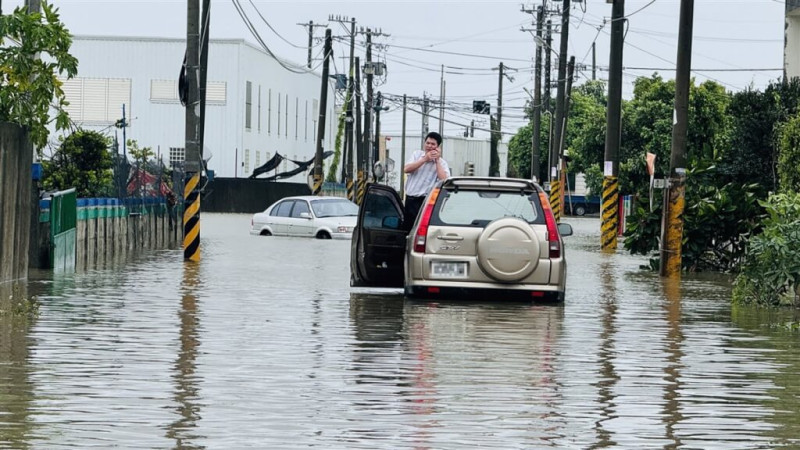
[(424, 168)]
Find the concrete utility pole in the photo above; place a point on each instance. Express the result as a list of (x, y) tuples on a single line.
[(441, 104), (536, 135), (349, 119), (500, 101), (204, 36), (323, 106), (594, 62), (361, 178), (192, 166), (555, 194), (378, 106), (347, 166), (403, 150), (562, 167), (674, 202), (369, 70), (425, 108), (548, 50), (610, 198)]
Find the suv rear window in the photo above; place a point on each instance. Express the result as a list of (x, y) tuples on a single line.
[(478, 208)]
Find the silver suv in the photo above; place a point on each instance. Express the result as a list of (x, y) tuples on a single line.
[(486, 238)]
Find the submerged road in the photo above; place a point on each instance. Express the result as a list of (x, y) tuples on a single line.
[(263, 344)]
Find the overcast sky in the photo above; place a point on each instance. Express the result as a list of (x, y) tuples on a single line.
[(738, 43)]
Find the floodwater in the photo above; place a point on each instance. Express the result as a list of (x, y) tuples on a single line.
[(263, 344)]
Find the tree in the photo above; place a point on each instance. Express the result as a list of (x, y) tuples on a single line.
[(34, 50), (82, 161), (789, 155), (756, 117)]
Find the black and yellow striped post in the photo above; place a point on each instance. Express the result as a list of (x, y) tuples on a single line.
[(362, 187), (191, 217), (316, 188), (610, 211), (351, 191), (555, 198)]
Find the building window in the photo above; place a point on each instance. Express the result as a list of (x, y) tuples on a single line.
[(296, 117), (176, 155), (97, 100), (269, 113), (246, 161), (259, 108), (306, 122), (166, 91), (279, 115), (314, 116), (248, 105), (258, 158), (286, 124)]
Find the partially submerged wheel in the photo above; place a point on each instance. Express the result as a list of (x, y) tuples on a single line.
[(508, 249)]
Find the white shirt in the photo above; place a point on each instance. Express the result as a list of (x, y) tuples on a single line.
[(422, 180)]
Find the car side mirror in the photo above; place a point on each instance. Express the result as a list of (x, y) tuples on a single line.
[(565, 229), (305, 215), (391, 222)]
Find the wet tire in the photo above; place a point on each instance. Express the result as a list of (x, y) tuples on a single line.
[(508, 250)]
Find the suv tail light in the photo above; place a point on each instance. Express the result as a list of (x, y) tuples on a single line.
[(554, 244), (422, 230)]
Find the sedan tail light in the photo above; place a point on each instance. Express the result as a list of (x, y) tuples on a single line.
[(554, 243), (422, 230)]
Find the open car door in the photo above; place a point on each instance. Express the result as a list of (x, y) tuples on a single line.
[(378, 246)]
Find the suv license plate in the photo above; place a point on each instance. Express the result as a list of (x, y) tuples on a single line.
[(449, 269)]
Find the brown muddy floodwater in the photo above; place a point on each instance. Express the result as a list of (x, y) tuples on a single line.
[(263, 344)]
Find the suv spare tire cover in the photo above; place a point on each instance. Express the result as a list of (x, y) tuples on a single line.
[(508, 249)]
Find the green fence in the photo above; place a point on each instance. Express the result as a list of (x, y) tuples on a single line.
[(63, 234)]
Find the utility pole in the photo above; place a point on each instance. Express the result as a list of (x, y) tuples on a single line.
[(594, 62), (204, 36), (403, 150), (348, 134), (378, 106), (555, 194), (361, 180), (311, 25), (441, 104), (610, 199), (369, 70), (500, 101), (349, 118), (674, 203), (548, 50), (425, 107), (323, 106), (536, 144), (562, 167), (192, 166)]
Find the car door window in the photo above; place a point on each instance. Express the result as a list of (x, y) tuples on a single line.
[(300, 206), (379, 208), (282, 210)]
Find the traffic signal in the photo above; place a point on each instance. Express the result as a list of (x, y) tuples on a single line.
[(469, 168)]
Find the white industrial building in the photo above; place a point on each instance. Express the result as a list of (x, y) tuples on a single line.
[(255, 107), (791, 54)]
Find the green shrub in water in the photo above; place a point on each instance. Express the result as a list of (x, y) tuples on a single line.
[(770, 272)]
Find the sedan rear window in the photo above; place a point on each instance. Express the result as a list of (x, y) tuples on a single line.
[(478, 208)]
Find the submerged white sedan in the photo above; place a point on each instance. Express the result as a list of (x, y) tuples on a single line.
[(307, 216)]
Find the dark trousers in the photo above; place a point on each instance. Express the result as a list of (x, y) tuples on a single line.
[(411, 210)]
